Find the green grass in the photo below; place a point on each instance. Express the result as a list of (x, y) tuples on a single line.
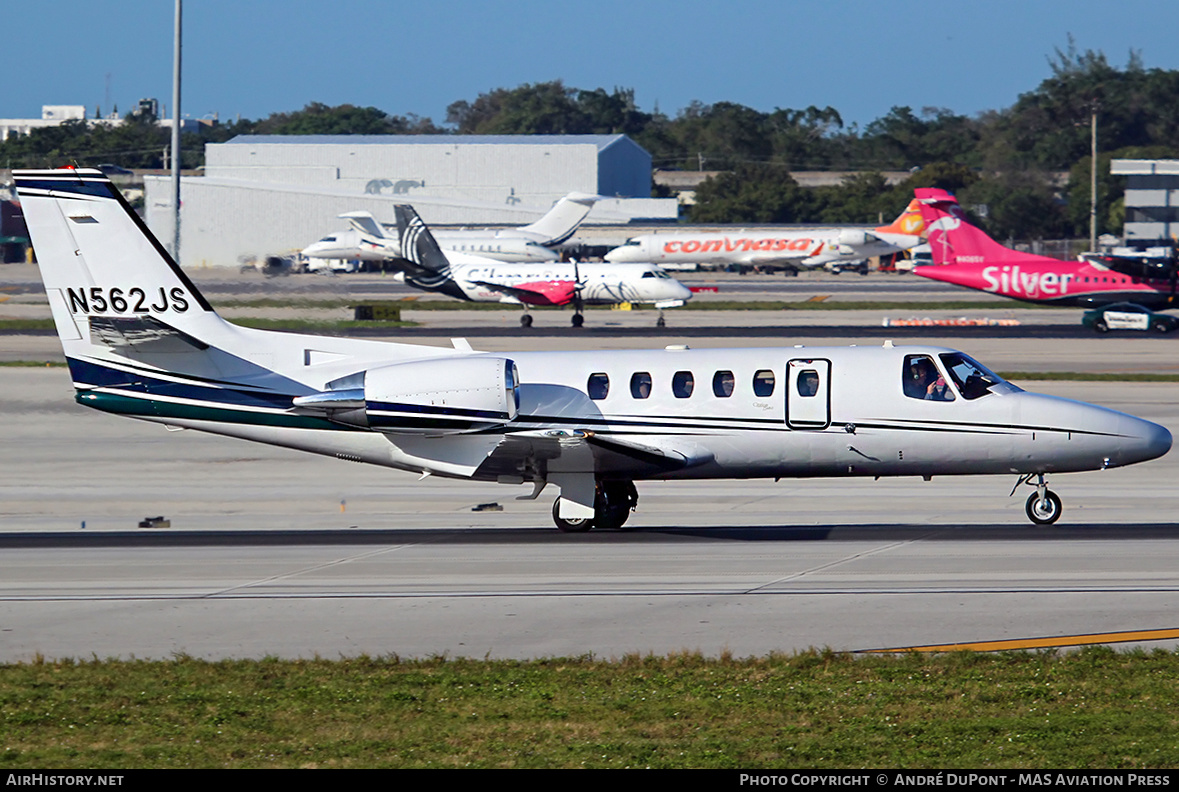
[(1091, 709)]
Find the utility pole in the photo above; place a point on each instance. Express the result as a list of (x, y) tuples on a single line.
[(1093, 184), (176, 134)]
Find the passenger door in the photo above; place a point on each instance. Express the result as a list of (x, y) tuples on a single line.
[(808, 393)]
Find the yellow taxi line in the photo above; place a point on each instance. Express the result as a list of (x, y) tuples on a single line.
[(1036, 643)]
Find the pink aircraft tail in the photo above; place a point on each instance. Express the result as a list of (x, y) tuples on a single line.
[(951, 236)]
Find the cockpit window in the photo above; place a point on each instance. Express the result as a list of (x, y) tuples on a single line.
[(920, 379), (972, 378)]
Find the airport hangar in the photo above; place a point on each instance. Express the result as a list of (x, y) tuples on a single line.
[(264, 195)]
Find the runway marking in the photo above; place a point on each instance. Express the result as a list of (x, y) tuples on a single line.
[(1036, 643)]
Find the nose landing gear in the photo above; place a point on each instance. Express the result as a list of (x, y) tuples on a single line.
[(1043, 506)]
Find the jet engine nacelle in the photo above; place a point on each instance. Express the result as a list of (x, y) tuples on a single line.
[(430, 397), (850, 237)]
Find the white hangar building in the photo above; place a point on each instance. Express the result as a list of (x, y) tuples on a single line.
[(267, 195)]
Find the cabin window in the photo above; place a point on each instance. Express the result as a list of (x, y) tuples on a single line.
[(682, 384), (920, 379), (640, 385), (807, 383), (722, 384), (763, 383), (597, 386), (972, 378)]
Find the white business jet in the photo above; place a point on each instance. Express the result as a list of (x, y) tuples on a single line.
[(141, 341), (367, 239), (475, 278)]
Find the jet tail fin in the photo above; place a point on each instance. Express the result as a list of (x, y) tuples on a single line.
[(562, 221), (100, 262), (909, 222), (366, 224), (951, 236), (418, 245)]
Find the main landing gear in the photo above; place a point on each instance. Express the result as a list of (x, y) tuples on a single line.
[(613, 503), (526, 319), (1043, 506)]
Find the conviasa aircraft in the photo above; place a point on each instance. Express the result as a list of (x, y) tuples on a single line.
[(367, 240), (965, 256), (141, 341), (791, 249), (470, 277)]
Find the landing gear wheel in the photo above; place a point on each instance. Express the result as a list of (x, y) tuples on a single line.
[(578, 320), (573, 525), (614, 503), (526, 320), (1043, 511), (661, 322)]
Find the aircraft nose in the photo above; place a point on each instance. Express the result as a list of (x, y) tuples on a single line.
[(682, 292), (1146, 440)]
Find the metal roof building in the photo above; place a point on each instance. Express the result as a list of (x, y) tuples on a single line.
[(1152, 199), (271, 194)]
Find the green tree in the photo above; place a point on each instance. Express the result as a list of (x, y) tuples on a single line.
[(751, 193)]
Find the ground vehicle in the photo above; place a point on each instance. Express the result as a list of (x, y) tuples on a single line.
[(1128, 316)]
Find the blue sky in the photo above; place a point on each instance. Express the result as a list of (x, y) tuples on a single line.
[(255, 57)]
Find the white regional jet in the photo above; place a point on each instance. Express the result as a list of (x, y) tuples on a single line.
[(479, 279), (141, 341), (367, 240), (775, 248)]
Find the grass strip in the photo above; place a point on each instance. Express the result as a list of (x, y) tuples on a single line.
[(32, 363), (1093, 708)]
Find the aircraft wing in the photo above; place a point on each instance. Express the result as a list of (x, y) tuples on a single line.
[(556, 292), (550, 451)]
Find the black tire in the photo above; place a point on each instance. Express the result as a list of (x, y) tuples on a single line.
[(1046, 513), (576, 525), (1100, 326), (661, 322), (1162, 328), (526, 320), (578, 320), (614, 503)]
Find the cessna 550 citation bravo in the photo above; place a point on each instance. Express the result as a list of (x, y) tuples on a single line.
[(141, 341)]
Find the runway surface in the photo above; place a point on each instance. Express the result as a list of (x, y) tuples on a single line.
[(280, 553), (277, 552)]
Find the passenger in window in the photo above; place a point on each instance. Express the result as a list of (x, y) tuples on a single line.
[(640, 385), (598, 386), (808, 383), (722, 384), (682, 384), (918, 378)]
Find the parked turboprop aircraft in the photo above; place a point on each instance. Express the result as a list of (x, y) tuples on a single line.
[(479, 279), (141, 341), (965, 256), (791, 249), (368, 241)]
